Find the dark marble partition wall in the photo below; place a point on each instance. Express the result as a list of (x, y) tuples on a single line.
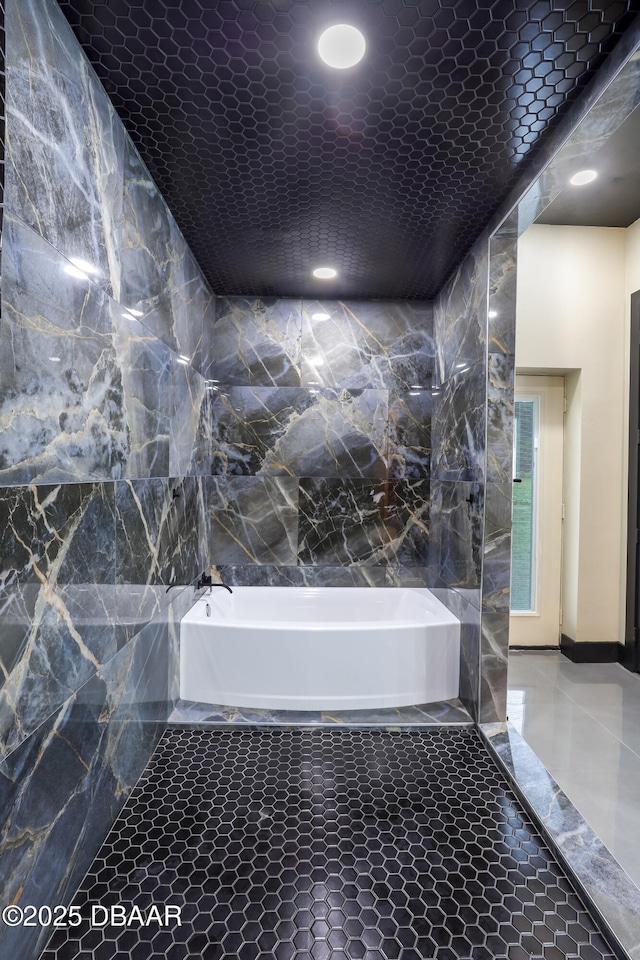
[(321, 433), (105, 437)]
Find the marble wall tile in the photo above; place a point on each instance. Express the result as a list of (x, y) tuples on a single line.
[(363, 521), (500, 411), (256, 342), (503, 275), (356, 344), (459, 425), (469, 616), (57, 615), (190, 428), (265, 575), (494, 655), (496, 574), (49, 533), (460, 316), (410, 415), (286, 431), (204, 361), (65, 143), (151, 249), (147, 396), (253, 520), (156, 531), (455, 547), (61, 419), (190, 299), (61, 790)]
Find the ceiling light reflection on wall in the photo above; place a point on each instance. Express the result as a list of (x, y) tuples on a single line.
[(341, 46), (325, 273), (315, 361), (81, 269), (583, 176), (321, 316)]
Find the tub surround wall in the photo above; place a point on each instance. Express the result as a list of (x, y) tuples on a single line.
[(105, 438), (321, 423)]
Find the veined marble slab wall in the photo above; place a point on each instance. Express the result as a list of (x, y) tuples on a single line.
[(321, 424), (470, 553), (2, 107), (104, 442), (458, 471)]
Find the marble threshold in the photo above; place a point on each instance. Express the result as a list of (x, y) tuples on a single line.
[(607, 888)]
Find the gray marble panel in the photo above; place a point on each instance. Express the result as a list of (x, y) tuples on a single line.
[(460, 315), (503, 264), (494, 652), (398, 575), (156, 531), (356, 344), (253, 520), (190, 301), (603, 881), (459, 425), (147, 395), (500, 410), (455, 551), (54, 637), (64, 141), (264, 575), (284, 431), (410, 415), (363, 522), (61, 790), (152, 250), (190, 442), (61, 416), (469, 616), (496, 573), (204, 361), (57, 534), (256, 342)]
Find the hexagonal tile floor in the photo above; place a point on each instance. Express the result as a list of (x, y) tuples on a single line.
[(306, 844)]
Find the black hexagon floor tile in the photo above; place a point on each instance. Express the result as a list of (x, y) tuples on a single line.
[(300, 844)]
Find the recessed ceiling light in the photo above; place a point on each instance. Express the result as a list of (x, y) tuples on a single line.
[(341, 46), (325, 273), (321, 316), (583, 176)]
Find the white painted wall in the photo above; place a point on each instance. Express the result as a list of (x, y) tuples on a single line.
[(572, 318)]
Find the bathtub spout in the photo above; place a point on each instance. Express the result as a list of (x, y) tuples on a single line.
[(223, 585)]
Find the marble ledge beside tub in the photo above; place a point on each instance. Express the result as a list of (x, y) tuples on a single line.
[(601, 879), (187, 712)]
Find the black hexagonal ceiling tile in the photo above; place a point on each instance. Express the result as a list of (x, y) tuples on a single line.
[(273, 164)]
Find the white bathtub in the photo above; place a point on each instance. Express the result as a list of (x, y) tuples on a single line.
[(325, 648)]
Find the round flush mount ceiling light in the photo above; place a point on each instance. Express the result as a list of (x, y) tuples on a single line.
[(583, 176), (325, 273), (341, 46)]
